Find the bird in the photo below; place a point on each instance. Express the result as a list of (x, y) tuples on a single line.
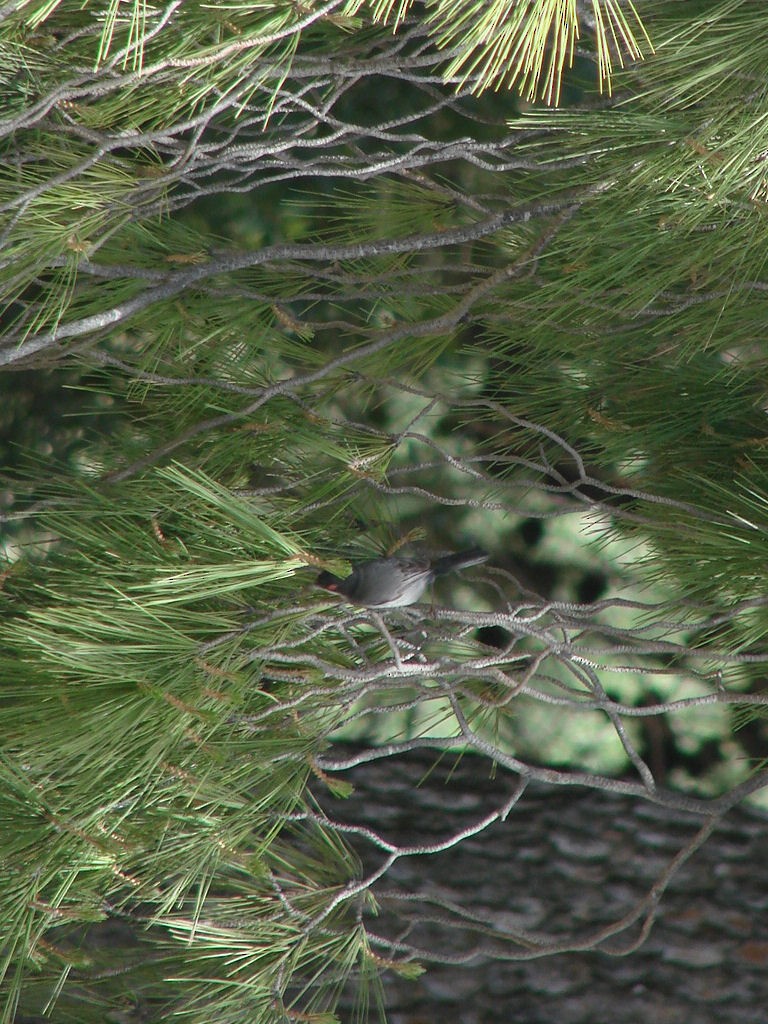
[(396, 582)]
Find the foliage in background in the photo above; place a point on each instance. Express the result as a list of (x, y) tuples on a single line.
[(305, 284)]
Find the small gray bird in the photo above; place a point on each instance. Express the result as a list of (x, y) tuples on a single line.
[(396, 582)]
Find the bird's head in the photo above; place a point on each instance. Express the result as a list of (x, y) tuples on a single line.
[(328, 581)]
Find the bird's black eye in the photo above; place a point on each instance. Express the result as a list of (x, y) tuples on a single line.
[(327, 581)]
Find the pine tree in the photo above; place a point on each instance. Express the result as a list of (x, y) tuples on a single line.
[(327, 282)]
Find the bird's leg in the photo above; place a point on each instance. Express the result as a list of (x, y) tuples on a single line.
[(414, 651), (388, 637)]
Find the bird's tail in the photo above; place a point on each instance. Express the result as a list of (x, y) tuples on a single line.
[(461, 560)]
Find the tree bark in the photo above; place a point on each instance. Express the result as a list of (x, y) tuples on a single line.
[(536, 918)]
